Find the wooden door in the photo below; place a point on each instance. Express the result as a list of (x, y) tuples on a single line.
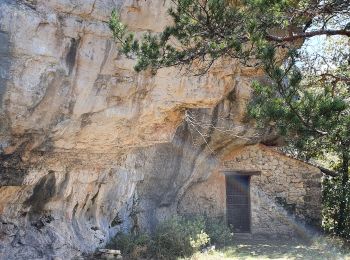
[(238, 202)]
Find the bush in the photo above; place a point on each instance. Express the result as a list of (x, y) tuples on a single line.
[(220, 234), (173, 238), (134, 246), (179, 237)]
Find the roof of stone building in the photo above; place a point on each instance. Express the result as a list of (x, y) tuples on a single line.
[(322, 169), (273, 149)]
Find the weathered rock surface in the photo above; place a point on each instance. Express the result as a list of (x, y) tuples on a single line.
[(87, 146)]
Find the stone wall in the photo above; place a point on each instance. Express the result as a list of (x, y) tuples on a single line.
[(284, 197)]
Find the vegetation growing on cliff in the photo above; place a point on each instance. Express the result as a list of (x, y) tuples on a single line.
[(306, 95)]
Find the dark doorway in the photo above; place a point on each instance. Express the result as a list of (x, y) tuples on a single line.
[(238, 202)]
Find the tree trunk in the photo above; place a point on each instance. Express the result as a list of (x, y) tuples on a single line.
[(342, 206)]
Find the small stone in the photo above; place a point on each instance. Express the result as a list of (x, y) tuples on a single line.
[(274, 162), (109, 251), (298, 185)]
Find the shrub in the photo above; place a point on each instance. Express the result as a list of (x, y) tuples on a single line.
[(179, 237), (217, 230), (174, 238), (134, 246), (220, 234)]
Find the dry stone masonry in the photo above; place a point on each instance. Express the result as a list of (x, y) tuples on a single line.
[(285, 194)]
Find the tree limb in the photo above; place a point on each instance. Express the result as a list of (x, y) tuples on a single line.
[(304, 35)]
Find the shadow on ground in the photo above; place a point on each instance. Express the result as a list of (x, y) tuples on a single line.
[(317, 249)]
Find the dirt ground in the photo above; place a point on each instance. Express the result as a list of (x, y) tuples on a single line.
[(315, 249)]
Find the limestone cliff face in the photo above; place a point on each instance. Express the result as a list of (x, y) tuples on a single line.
[(88, 147)]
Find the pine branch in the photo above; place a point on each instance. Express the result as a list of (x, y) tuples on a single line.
[(305, 35)]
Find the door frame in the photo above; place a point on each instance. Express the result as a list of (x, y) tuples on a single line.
[(249, 174)]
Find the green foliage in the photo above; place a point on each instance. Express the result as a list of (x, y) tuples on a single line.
[(206, 30), (219, 233), (179, 237), (332, 197), (311, 109), (190, 28), (120, 34), (135, 246), (173, 238)]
